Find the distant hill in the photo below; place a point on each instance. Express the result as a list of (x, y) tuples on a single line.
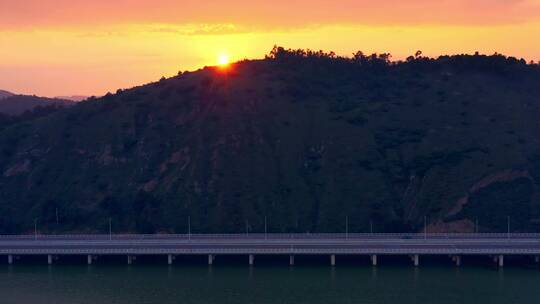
[(18, 104), (302, 138), (73, 97), (4, 94)]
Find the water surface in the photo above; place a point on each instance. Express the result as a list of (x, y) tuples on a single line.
[(122, 284)]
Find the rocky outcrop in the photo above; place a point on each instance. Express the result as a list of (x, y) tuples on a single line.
[(502, 176)]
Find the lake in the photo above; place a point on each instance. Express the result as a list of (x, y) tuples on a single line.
[(311, 284)]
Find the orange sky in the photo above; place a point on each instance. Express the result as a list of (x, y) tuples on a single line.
[(65, 47)]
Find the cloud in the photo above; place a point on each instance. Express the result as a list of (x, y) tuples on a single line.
[(23, 14), (197, 29)]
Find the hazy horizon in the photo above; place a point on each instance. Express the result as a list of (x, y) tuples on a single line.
[(79, 97)]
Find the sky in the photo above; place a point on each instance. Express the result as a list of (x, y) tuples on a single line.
[(76, 47)]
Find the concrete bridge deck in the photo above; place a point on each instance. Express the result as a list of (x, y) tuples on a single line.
[(413, 245)]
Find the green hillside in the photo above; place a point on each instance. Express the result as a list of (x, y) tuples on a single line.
[(304, 139)]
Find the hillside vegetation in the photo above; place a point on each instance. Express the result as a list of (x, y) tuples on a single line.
[(302, 138)]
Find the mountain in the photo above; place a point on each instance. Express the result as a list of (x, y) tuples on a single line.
[(305, 139), (73, 97), (4, 94), (18, 104)]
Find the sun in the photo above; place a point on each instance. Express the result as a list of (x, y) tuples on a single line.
[(223, 60)]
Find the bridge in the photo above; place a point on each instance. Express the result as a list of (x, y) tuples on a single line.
[(496, 246)]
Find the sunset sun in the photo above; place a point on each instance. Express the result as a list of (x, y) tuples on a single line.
[(223, 60)]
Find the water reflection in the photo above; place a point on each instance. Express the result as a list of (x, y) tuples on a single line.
[(121, 284)]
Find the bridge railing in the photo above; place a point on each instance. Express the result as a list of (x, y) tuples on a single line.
[(276, 236), (292, 250)]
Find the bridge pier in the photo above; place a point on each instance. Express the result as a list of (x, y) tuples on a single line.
[(499, 260), (10, 259), (456, 259), (251, 259), (211, 259), (49, 259), (416, 260), (291, 260), (89, 259), (170, 259), (130, 259), (537, 259), (333, 260), (374, 260)]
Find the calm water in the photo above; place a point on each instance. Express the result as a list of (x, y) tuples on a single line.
[(121, 284)]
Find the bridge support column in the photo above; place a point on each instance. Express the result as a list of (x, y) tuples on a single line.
[(333, 260), (291, 260), (49, 259), (456, 259), (210, 259), (500, 260), (10, 259), (170, 259), (251, 259), (374, 260), (537, 259), (416, 260), (89, 259), (130, 259)]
